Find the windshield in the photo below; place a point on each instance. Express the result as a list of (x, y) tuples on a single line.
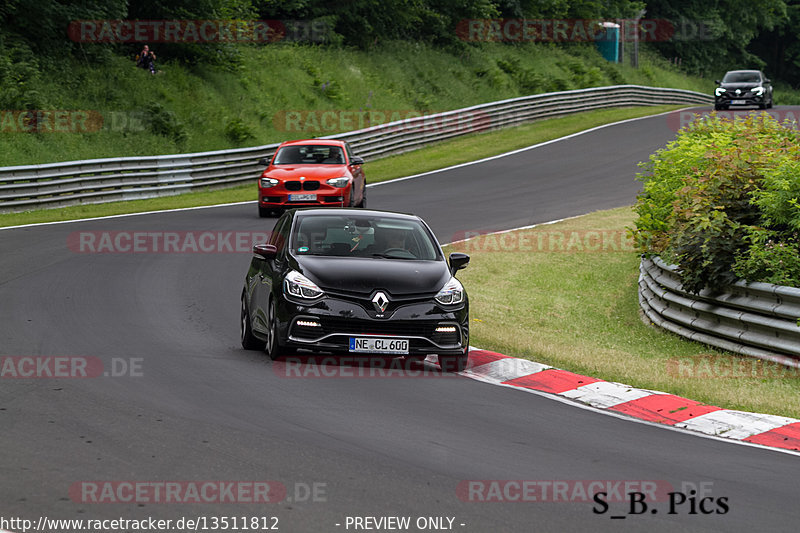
[(742, 77), (316, 154), (364, 236)]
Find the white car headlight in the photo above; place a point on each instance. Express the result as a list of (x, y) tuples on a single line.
[(297, 285), (719, 90), (266, 183), (339, 183), (758, 91), (451, 294)]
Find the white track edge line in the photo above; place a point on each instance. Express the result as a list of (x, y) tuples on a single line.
[(570, 136), (531, 147)]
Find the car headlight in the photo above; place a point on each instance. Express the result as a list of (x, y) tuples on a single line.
[(266, 183), (339, 183), (719, 90), (758, 91), (297, 285), (451, 294)]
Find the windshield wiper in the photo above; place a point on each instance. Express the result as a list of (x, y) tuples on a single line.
[(392, 256)]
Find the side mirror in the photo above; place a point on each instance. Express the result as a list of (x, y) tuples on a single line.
[(717, 82), (357, 161), (263, 161), (265, 251), (767, 80), (458, 261)]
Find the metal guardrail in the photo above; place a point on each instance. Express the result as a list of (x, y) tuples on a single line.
[(127, 178), (755, 319)]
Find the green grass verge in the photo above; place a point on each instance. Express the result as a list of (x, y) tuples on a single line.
[(563, 296), (462, 150), (245, 102)]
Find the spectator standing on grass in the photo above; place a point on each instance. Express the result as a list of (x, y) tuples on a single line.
[(147, 59)]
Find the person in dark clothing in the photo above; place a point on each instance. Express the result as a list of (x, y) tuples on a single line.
[(147, 59)]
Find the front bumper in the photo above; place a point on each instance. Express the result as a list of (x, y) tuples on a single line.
[(278, 199), (340, 319), (747, 99)]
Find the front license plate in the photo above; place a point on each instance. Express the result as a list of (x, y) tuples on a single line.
[(738, 102), (302, 197), (379, 345)]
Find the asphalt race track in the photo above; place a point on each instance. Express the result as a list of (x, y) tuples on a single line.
[(191, 406)]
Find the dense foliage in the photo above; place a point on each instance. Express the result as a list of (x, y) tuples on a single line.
[(721, 202), (708, 37)]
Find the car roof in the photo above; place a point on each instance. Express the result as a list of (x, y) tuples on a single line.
[(748, 71), (315, 211), (323, 142)]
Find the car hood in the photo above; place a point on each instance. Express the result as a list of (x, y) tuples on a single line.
[(311, 172), (743, 86), (397, 276)]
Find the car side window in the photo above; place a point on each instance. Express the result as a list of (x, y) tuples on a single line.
[(349, 152), (280, 235)]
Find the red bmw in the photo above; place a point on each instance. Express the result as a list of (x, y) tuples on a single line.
[(312, 172)]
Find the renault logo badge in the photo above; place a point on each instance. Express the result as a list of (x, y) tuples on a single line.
[(380, 301)]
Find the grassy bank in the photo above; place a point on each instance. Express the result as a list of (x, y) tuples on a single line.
[(199, 108), (565, 295), (462, 150)]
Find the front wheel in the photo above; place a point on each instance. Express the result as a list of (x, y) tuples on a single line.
[(363, 203), (264, 212), (272, 345), (453, 363), (249, 341)]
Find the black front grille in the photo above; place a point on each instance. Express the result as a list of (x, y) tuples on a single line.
[(309, 185), (376, 327)]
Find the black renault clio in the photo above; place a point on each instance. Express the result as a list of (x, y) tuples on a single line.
[(743, 88), (358, 282)]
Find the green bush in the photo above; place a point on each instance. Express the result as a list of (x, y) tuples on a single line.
[(721, 202), (238, 132), (163, 122)]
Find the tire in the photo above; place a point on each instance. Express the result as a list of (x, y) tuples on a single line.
[(717, 107), (453, 363), (352, 199), (363, 202), (264, 212), (249, 341), (272, 345)]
